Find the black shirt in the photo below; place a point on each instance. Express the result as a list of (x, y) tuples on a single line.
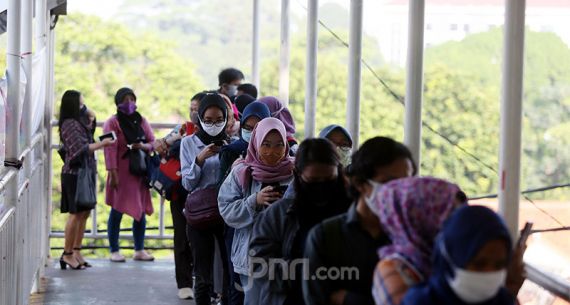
[(342, 244)]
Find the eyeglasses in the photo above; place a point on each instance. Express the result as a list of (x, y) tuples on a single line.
[(210, 124)]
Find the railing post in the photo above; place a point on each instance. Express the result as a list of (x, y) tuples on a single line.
[(255, 50), (354, 70), (284, 53), (511, 113), (311, 72), (48, 115), (414, 79), (12, 136)]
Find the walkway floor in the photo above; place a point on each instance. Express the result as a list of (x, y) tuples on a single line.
[(107, 283)]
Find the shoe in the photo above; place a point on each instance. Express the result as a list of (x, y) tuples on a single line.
[(185, 293), (63, 264), (143, 256), (82, 261), (117, 257)]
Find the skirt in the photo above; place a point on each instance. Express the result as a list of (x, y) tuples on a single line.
[(68, 188)]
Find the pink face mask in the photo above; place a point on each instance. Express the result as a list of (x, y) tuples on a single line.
[(127, 108)]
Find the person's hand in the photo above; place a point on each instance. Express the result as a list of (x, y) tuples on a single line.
[(337, 298), (114, 178), (137, 146), (107, 141), (267, 196), (208, 152), (516, 274)]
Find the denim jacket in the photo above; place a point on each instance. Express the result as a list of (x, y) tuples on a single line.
[(240, 211)]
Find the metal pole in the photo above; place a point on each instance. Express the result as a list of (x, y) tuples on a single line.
[(311, 72), (354, 70), (284, 53), (511, 113), (26, 43), (41, 42), (13, 75), (414, 79), (12, 137), (48, 115), (255, 54)]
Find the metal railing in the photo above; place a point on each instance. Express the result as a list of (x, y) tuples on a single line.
[(550, 282), (95, 233), (23, 227)]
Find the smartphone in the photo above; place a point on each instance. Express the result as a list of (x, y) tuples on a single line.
[(280, 188), (219, 143), (525, 233), (110, 135)]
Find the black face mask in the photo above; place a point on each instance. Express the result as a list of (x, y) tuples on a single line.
[(318, 194)]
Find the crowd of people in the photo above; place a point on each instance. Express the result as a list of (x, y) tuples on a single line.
[(260, 217)]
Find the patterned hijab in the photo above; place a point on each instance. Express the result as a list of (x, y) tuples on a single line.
[(279, 111), (412, 211)]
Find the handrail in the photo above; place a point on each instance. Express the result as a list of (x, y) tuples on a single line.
[(152, 125), (551, 282)]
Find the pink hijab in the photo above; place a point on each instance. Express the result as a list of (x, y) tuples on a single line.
[(254, 167)]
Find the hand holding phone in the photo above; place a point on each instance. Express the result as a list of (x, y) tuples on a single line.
[(110, 135), (525, 233)]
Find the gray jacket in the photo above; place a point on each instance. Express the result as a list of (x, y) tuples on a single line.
[(273, 237), (240, 211)]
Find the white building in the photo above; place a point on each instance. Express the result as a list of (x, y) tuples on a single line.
[(454, 19)]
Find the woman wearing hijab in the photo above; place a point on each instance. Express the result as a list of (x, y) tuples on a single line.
[(280, 112), (470, 262), (253, 185), (199, 157), (341, 139), (411, 211), (281, 231), (126, 192), (252, 114)]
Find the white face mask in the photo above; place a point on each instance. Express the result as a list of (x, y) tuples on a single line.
[(246, 135), (474, 287), (232, 90), (213, 129), (370, 202), (345, 153)]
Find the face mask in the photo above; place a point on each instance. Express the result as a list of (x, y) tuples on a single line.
[(370, 202), (319, 193), (271, 156), (246, 135), (345, 154), (127, 108), (214, 129), (231, 90), (474, 287)]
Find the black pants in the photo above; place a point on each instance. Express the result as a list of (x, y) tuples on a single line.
[(204, 251), (235, 297), (183, 260)]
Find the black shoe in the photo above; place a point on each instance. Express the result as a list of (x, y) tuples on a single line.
[(85, 263), (63, 264)]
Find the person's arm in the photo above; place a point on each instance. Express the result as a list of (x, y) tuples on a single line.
[(316, 291), (111, 151), (266, 244), (238, 212), (191, 171), (149, 145)]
